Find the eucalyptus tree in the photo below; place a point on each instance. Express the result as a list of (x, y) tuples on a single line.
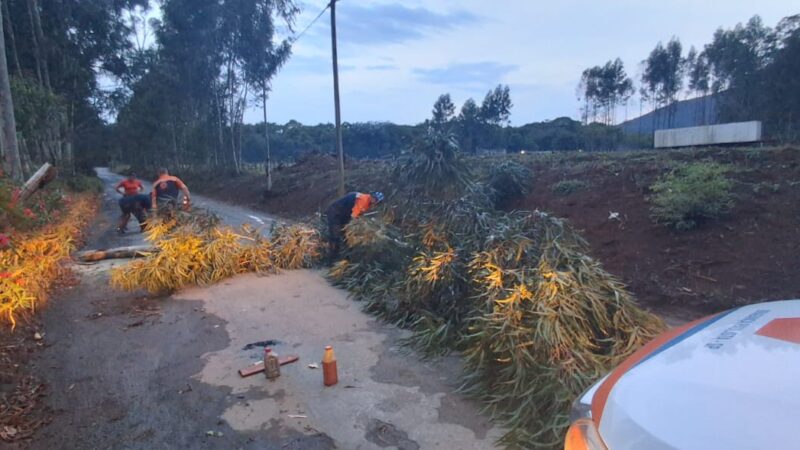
[(663, 76), (443, 111), (469, 119), (604, 89)]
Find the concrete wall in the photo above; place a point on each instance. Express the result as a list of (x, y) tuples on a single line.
[(726, 133)]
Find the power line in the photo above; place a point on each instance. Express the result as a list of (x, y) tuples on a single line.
[(296, 37)]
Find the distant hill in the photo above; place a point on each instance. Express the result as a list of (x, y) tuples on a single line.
[(687, 113)]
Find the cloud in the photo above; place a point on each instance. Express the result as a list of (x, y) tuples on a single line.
[(392, 23), (382, 67), (466, 74)]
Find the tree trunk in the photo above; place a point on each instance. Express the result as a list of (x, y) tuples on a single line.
[(12, 38), (8, 130), (241, 105), (135, 251), (267, 160), (44, 175), (35, 42), (43, 51)]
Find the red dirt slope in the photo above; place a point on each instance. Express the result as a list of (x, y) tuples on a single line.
[(750, 255)]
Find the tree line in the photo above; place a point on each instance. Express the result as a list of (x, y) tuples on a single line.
[(179, 85), (50, 95), (294, 140), (751, 69)]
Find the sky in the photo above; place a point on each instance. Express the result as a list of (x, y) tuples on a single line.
[(396, 58)]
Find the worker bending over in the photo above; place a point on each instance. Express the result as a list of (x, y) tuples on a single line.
[(340, 212), (132, 202), (166, 190)]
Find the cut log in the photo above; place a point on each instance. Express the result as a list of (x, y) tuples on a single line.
[(259, 366), (114, 253), (44, 175)]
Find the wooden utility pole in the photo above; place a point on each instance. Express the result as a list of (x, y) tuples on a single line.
[(339, 147), (268, 160)]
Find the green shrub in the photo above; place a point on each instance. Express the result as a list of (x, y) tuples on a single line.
[(510, 181), (435, 167), (566, 187), (690, 194), (84, 183)]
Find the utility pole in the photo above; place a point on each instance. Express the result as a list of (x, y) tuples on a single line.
[(268, 159), (336, 98)]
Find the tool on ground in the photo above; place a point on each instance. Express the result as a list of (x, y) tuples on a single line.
[(272, 367), (329, 372), (259, 366)]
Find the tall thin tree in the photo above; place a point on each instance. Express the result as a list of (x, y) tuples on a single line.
[(9, 125)]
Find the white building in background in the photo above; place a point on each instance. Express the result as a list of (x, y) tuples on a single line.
[(726, 133)]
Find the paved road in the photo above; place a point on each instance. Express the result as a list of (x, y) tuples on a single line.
[(233, 215), (127, 371)]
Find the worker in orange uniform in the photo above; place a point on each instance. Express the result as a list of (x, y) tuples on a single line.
[(166, 190), (132, 202), (340, 212)]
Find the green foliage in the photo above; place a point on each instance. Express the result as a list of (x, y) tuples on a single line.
[(84, 183), (35, 108), (690, 194), (435, 166), (603, 89), (443, 110), (496, 106), (56, 51), (567, 187), (551, 321), (188, 106), (510, 181), (535, 318), (662, 78)]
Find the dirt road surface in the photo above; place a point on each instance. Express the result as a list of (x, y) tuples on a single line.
[(127, 371)]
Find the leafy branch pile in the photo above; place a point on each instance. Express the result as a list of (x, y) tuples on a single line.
[(536, 319), (32, 262), (196, 250)]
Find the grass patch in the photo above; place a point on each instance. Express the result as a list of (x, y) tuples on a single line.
[(690, 194), (567, 187)]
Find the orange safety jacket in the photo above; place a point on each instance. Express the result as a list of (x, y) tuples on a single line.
[(362, 204)]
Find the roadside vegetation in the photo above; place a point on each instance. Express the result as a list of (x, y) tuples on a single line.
[(691, 194), (567, 187), (35, 243)]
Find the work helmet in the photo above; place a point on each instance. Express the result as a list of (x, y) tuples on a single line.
[(378, 196)]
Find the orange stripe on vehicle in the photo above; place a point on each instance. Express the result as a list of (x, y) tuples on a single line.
[(601, 396), (785, 329)]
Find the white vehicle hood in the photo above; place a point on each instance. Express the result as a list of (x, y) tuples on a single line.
[(731, 381)]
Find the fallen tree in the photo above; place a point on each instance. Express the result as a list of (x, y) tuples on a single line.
[(192, 249), (536, 319), (135, 251)]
